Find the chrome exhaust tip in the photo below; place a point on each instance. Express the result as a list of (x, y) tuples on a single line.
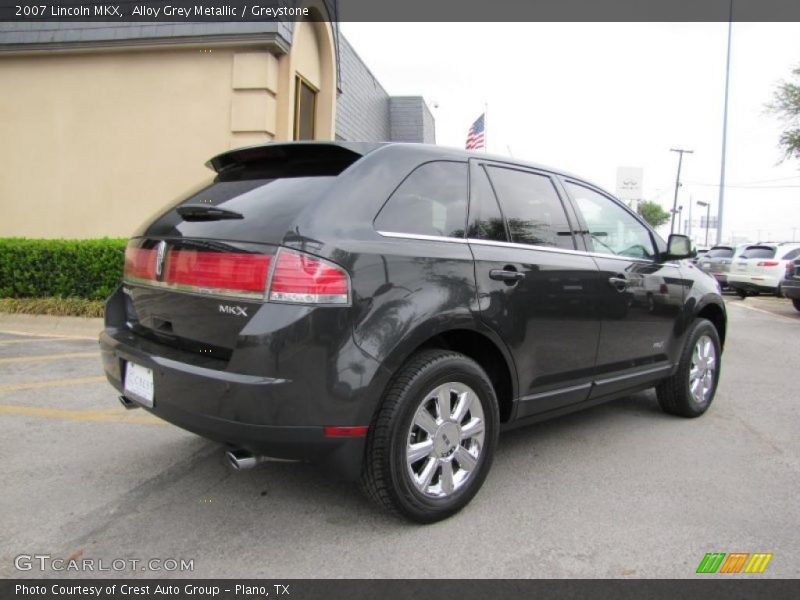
[(128, 403), (240, 460)]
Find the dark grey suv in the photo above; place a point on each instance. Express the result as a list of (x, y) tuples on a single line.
[(386, 310)]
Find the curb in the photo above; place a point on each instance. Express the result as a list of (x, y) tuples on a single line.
[(46, 325)]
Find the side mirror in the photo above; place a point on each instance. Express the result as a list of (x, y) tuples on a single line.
[(678, 247)]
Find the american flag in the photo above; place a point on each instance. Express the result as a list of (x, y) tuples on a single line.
[(475, 136)]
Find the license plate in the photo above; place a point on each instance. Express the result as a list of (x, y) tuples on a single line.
[(139, 383), (742, 266), (705, 265)]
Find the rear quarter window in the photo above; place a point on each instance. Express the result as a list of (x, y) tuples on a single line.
[(431, 201)]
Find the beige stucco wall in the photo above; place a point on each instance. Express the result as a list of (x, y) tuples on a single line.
[(93, 143)]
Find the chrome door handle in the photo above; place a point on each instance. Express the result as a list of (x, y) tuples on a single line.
[(506, 275)]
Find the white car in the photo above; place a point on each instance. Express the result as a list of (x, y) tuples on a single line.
[(761, 267)]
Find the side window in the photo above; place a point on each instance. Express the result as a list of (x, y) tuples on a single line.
[(611, 228), (792, 255), (431, 201), (532, 208), (485, 220)]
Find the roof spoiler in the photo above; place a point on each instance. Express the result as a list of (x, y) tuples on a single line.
[(343, 153)]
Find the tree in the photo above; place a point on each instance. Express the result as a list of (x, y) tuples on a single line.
[(653, 213), (786, 104)]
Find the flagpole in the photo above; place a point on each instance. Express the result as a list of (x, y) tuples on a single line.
[(485, 127)]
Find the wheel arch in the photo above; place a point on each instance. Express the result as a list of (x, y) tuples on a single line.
[(480, 346), (714, 312)]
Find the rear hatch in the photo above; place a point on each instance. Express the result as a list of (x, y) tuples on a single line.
[(716, 260), (754, 259), (195, 276)]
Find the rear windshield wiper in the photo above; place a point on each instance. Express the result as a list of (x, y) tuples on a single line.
[(206, 212)]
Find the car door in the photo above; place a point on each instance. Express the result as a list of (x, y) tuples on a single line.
[(640, 299), (533, 286)]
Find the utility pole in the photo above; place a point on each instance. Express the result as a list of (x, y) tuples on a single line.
[(707, 206), (724, 129), (680, 152)]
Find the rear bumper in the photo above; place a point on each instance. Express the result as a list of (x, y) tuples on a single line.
[(761, 283), (243, 411), (791, 288)]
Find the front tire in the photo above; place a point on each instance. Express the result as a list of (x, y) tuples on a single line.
[(431, 444), (796, 303), (690, 391)]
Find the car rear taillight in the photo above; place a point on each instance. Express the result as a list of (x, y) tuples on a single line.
[(295, 277), (768, 263), (139, 263), (300, 278), (229, 272)]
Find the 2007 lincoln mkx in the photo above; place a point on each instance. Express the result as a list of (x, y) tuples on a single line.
[(384, 310)]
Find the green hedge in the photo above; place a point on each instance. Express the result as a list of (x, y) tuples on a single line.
[(35, 268)]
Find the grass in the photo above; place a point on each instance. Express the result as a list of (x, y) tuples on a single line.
[(63, 307)]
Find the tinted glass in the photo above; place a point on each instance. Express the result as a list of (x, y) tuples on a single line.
[(485, 220), (612, 229), (720, 252), (431, 201), (532, 208), (792, 254), (758, 252)]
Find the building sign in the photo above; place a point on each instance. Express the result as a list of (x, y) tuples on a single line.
[(629, 183)]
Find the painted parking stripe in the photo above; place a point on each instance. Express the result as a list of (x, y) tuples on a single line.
[(97, 416), (16, 387), (33, 340), (766, 312), (48, 335), (19, 359)]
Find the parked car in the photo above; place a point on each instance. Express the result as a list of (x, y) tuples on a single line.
[(791, 284), (761, 267), (717, 261), (385, 310)]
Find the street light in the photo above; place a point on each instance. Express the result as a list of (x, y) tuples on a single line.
[(680, 152), (708, 216)]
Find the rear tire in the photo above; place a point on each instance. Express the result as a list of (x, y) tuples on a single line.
[(741, 293), (431, 443), (690, 391), (796, 303)]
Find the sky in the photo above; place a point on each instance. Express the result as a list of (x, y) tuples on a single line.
[(591, 97)]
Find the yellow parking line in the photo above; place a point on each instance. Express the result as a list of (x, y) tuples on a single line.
[(766, 312), (32, 340), (17, 359), (98, 416), (16, 387), (48, 335)]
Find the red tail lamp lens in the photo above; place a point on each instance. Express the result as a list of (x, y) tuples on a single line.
[(306, 280), (140, 263), (768, 263), (230, 271)]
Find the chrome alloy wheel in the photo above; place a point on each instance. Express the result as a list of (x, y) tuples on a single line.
[(702, 370), (445, 439)]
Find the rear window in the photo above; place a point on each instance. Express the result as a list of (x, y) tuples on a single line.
[(758, 252), (791, 254), (720, 252), (432, 201)]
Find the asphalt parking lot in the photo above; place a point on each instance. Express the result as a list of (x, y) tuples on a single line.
[(621, 490)]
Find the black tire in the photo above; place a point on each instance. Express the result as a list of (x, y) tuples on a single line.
[(741, 293), (674, 393), (779, 291), (385, 477), (796, 303)]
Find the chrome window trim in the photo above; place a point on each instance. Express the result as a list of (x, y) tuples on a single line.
[(517, 246), (567, 251), (419, 236)]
